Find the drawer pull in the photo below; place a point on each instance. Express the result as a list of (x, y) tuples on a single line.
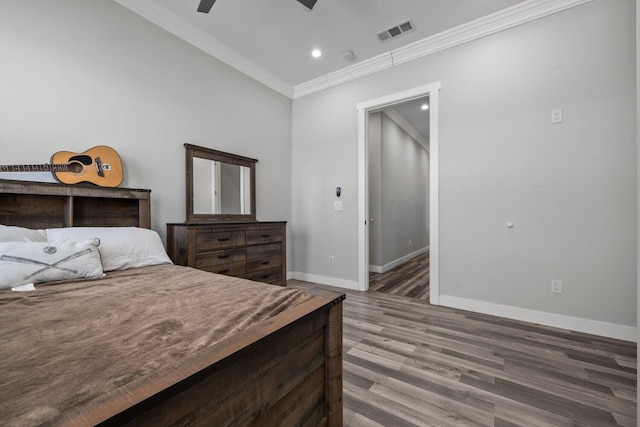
[(223, 271), (265, 262), (266, 236), (226, 239), (223, 256)]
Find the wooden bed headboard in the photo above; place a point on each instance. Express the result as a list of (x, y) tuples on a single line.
[(48, 205)]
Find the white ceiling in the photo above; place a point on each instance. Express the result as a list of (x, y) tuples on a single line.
[(278, 35), (272, 40)]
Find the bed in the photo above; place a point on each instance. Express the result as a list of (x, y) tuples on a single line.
[(148, 344)]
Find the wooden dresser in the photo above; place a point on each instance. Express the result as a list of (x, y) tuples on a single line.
[(251, 250)]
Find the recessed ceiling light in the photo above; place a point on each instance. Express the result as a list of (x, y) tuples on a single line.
[(425, 106), (316, 53)]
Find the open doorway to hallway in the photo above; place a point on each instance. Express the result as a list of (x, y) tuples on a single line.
[(364, 108), (398, 198)]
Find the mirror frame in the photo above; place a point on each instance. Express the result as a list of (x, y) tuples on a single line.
[(192, 151)]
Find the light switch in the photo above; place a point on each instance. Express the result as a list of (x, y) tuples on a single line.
[(337, 205)]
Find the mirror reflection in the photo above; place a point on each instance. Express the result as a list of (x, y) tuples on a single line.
[(220, 188)]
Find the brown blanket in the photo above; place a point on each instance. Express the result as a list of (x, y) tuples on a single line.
[(65, 345)]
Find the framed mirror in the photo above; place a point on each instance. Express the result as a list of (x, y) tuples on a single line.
[(220, 186)]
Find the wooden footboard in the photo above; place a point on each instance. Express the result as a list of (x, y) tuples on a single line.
[(286, 370)]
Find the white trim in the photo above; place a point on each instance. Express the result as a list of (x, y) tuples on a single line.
[(375, 268), (502, 20), (432, 90), (344, 75), (395, 263), (363, 204), (611, 330), (434, 197), (482, 27), (324, 280), (180, 27)]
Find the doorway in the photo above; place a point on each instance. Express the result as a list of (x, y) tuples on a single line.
[(364, 108)]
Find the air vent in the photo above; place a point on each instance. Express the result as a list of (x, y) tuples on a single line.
[(395, 31)]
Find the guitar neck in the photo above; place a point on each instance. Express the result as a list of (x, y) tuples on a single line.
[(35, 168)]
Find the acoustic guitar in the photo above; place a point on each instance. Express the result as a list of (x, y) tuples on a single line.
[(100, 165)]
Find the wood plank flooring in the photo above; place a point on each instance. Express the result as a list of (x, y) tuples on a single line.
[(410, 279), (408, 363)]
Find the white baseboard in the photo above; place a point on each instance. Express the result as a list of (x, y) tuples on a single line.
[(611, 330), (324, 280), (397, 262)]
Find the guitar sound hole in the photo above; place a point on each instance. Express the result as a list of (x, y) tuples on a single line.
[(75, 167)]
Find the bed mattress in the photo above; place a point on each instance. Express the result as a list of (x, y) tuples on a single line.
[(66, 345)]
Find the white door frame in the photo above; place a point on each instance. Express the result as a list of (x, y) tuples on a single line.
[(432, 91)]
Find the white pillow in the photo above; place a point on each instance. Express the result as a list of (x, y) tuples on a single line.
[(120, 247), (9, 233), (39, 262)]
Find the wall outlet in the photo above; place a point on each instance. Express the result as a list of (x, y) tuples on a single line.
[(556, 286), (331, 259), (409, 242), (556, 116)]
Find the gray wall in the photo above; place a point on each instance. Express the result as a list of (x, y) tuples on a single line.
[(570, 188), (405, 193), (399, 196), (75, 74)]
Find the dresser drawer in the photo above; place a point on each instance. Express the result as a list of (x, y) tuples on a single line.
[(236, 269), (219, 239), (264, 263), (261, 257), (264, 251), (253, 250), (264, 235), (273, 276), (225, 256)]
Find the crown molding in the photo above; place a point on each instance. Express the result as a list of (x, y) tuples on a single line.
[(169, 21), (519, 14), (502, 20), (352, 72)]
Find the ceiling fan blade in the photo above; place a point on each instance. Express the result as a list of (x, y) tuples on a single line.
[(206, 5), (308, 3)]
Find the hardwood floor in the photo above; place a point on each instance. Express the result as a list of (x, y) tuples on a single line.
[(410, 279), (408, 363)]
